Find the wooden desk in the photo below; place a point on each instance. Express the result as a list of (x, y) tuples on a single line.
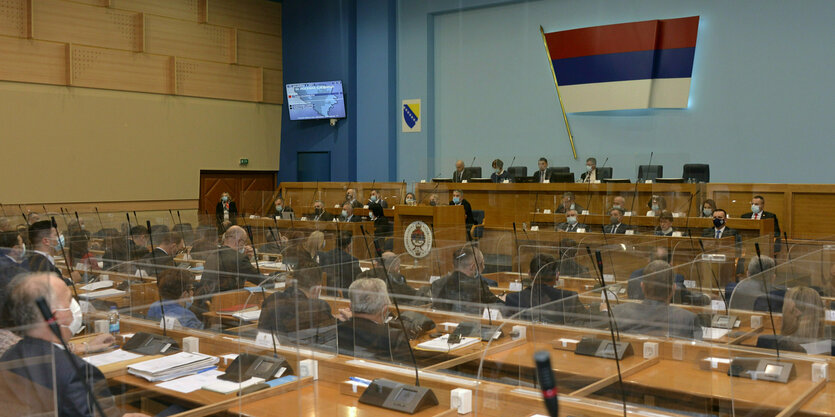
[(299, 194)]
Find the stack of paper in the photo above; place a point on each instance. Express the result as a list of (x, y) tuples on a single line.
[(441, 344), (97, 285), (248, 315), (174, 366), (191, 383), (226, 387), (712, 333), (99, 294), (117, 355)]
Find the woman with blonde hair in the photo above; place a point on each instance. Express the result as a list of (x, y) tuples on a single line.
[(314, 243), (803, 315)]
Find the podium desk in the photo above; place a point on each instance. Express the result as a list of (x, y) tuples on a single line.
[(448, 226)]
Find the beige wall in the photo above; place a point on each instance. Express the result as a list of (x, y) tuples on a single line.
[(67, 144)]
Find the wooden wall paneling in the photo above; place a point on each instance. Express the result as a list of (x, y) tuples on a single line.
[(211, 188), (215, 80), (256, 191), (184, 39), (259, 50), (99, 3), (253, 15), (64, 21), (121, 70), (33, 61), (273, 86), (177, 9), (812, 215), (202, 6), (14, 18)]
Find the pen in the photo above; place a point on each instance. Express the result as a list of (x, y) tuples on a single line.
[(360, 380)]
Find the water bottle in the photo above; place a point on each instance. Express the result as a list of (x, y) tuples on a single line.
[(113, 318)]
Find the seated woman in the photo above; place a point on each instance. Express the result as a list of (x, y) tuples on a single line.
[(657, 204), (665, 224), (803, 316), (176, 289), (410, 199), (314, 244), (708, 207)]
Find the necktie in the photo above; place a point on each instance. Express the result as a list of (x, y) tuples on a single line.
[(718, 233)]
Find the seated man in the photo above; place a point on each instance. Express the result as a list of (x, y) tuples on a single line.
[(168, 245), (460, 174), (759, 280), (375, 197), (616, 225), (348, 214), (719, 229), (590, 176), (570, 224), (459, 200), (176, 289), (12, 255), (619, 202), (298, 307), (45, 243), (461, 290), (341, 267), (542, 172), (319, 212), (665, 224), (758, 212), (138, 242), (228, 268), (654, 316), (206, 243), (279, 208), (479, 263), (399, 286), (365, 333), (555, 305), (38, 377), (569, 267), (351, 198), (434, 200), (633, 289), (568, 203)]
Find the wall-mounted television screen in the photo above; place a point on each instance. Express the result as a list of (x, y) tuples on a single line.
[(315, 100)]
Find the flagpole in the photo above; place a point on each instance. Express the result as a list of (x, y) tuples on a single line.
[(562, 107)]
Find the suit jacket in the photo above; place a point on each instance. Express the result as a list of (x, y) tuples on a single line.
[(460, 293), (41, 379), (621, 228), (159, 258), (461, 176), (341, 268), (233, 212), (565, 227), (570, 268), (633, 288), (35, 262), (468, 211), (383, 232), (380, 201), (586, 174), (769, 215), (137, 252), (577, 207), (363, 338), (559, 306), (655, 318), (538, 174), (354, 203), (353, 219), (275, 213), (324, 217), (727, 232), (227, 270), (290, 311)]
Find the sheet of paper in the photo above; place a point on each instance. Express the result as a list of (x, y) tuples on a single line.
[(713, 333), (191, 383), (117, 355)]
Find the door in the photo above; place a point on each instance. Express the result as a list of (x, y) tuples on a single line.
[(250, 190)]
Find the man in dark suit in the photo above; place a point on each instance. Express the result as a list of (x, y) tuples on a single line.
[(570, 224), (168, 245), (228, 268), (348, 214), (340, 266), (558, 306), (460, 174), (12, 252), (634, 290), (590, 176), (319, 212), (616, 225), (298, 307), (138, 242), (459, 200), (758, 212), (568, 203), (351, 198), (654, 316), (719, 230), (279, 208), (45, 243), (375, 197), (226, 210), (542, 173), (38, 377), (461, 290), (365, 333)]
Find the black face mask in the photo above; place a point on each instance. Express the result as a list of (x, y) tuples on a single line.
[(317, 211), (431, 203), (718, 222)]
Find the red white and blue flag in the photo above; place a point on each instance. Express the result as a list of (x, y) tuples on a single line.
[(635, 65)]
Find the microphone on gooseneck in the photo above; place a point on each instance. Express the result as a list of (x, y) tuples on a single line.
[(767, 299), (547, 381), (156, 274)]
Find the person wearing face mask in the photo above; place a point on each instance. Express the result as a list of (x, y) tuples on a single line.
[(462, 290), (341, 267), (176, 289), (571, 224), (616, 225), (433, 200), (558, 306), (365, 333), (719, 230), (499, 175), (226, 210), (542, 172), (410, 199), (590, 176), (619, 202), (665, 224), (279, 208), (376, 198), (319, 212), (351, 197), (37, 363), (758, 212), (568, 202), (459, 200), (45, 244), (383, 230), (347, 214), (707, 208), (228, 268), (656, 205)]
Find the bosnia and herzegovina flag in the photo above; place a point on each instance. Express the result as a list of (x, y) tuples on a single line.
[(636, 65)]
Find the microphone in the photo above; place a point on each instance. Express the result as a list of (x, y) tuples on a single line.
[(156, 274), (767, 299), (547, 382), (635, 197), (137, 220), (613, 326), (50, 319)]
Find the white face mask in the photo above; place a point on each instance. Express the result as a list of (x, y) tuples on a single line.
[(755, 208), (571, 219), (77, 318)]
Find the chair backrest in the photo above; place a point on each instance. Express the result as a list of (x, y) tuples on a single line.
[(478, 216), (604, 172), (562, 177), (517, 172), (650, 172), (559, 169), (775, 298), (696, 172), (474, 171), (770, 341)]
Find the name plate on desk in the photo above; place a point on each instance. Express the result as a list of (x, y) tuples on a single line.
[(630, 232), (534, 228), (581, 230), (677, 234), (546, 211), (170, 323), (266, 339)]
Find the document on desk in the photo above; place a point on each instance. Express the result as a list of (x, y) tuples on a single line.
[(99, 294), (228, 387), (191, 383), (171, 367), (251, 315), (108, 358), (97, 285), (441, 344), (713, 333)]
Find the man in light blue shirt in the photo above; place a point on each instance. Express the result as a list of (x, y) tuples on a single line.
[(176, 288)]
